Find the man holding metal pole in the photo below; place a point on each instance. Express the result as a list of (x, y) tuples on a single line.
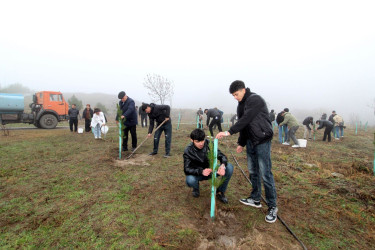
[(159, 113), (255, 128)]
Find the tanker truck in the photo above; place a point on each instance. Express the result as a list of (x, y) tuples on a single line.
[(47, 109)]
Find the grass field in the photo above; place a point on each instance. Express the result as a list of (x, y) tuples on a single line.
[(65, 190)]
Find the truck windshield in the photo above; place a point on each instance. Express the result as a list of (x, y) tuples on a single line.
[(55, 98)]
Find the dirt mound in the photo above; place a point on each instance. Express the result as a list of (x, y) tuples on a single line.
[(135, 160)]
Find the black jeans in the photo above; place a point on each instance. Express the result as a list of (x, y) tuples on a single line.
[(327, 132), (144, 119), (133, 133), (215, 122), (73, 121), (87, 125), (167, 128)]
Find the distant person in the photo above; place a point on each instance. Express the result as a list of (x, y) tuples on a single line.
[(233, 119), (333, 122), (197, 166), (159, 113), (272, 116), (293, 126), (256, 133), (282, 129), (200, 117), (127, 106), (339, 126), (324, 116), (73, 113), (136, 111), (87, 115), (143, 116), (216, 119), (306, 124), (97, 121), (328, 128)]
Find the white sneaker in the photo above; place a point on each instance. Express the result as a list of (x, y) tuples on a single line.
[(285, 143), (337, 138), (295, 146)]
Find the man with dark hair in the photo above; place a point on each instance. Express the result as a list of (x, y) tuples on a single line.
[(293, 126), (216, 119), (87, 114), (143, 116), (272, 115), (127, 106), (327, 132), (256, 133), (282, 129), (197, 166), (306, 124), (159, 113), (73, 118)]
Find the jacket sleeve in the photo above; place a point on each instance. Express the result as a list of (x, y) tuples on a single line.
[(222, 158), (253, 106), (129, 110), (241, 140), (286, 119), (188, 169), (320, 126)]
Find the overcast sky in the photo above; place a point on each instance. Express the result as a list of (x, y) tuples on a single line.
[(296, 54)]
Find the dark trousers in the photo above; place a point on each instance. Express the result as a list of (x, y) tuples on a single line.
[(214, 122), (73, 121), (87, 125), (133, 133), (327, 132), (167, 128), (144, 120)]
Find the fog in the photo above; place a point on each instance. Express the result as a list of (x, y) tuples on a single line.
[(311, 57)]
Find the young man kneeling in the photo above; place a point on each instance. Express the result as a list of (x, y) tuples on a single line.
[(197, 166)]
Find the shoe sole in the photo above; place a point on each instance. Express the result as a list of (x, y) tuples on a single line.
[(271, 221), (247, 204)]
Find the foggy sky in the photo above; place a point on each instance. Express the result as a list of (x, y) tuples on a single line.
[(316, 55)]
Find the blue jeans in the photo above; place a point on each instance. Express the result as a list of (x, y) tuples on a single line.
[(167, 128), (339, 131), (259, 165), (96, 130), (282, 129), (193, 180)]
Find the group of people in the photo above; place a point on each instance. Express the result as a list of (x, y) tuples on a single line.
[(288, 126)]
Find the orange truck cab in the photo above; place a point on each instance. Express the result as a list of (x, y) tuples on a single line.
[(47, 109)]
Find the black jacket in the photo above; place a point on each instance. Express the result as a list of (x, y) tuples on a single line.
[(196, 160), (279, 118), (308, 120), (141, 112), (325, 123), (272, 116), (331, 118), (73, 113), (85, 111), (158, 113), (214, 114), (253, 120)]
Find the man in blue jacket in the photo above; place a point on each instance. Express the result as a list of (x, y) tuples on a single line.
[(127, 106), (255, 128)]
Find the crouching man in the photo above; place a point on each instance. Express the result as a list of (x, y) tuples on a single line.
[(197, 166)]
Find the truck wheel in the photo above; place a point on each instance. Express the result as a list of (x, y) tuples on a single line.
[(48, 121)]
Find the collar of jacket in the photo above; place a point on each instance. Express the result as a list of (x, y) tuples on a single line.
[(247, 94)]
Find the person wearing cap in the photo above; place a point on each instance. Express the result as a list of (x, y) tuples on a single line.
[(159, 113), (129, 114), (97, 121)]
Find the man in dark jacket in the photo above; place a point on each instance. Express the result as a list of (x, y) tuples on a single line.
[(306, 124), (216, 119), (87, 115), (159, 113), (327, 132), (73, 118), (256, 133), (143, 116), (282, 129), (197, 166), (127, 106), (272, 115)]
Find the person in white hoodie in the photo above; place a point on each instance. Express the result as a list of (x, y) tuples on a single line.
[(97, 121)]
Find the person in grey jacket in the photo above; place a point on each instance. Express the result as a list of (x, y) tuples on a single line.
[(216, 119), (73, 118)]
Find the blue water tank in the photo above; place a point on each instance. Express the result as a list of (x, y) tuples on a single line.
[(11, 103)]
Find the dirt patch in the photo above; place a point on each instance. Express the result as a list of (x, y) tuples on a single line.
[(135, 160)]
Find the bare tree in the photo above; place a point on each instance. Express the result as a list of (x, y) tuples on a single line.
[(159, 88)]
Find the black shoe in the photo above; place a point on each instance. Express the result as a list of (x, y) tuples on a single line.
[(125, 149), (271, 215), (167, 155), (133, 149), (195, 193), (152, 153), (222, 198)]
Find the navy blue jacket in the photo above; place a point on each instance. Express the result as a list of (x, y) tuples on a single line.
[(128, 110)]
